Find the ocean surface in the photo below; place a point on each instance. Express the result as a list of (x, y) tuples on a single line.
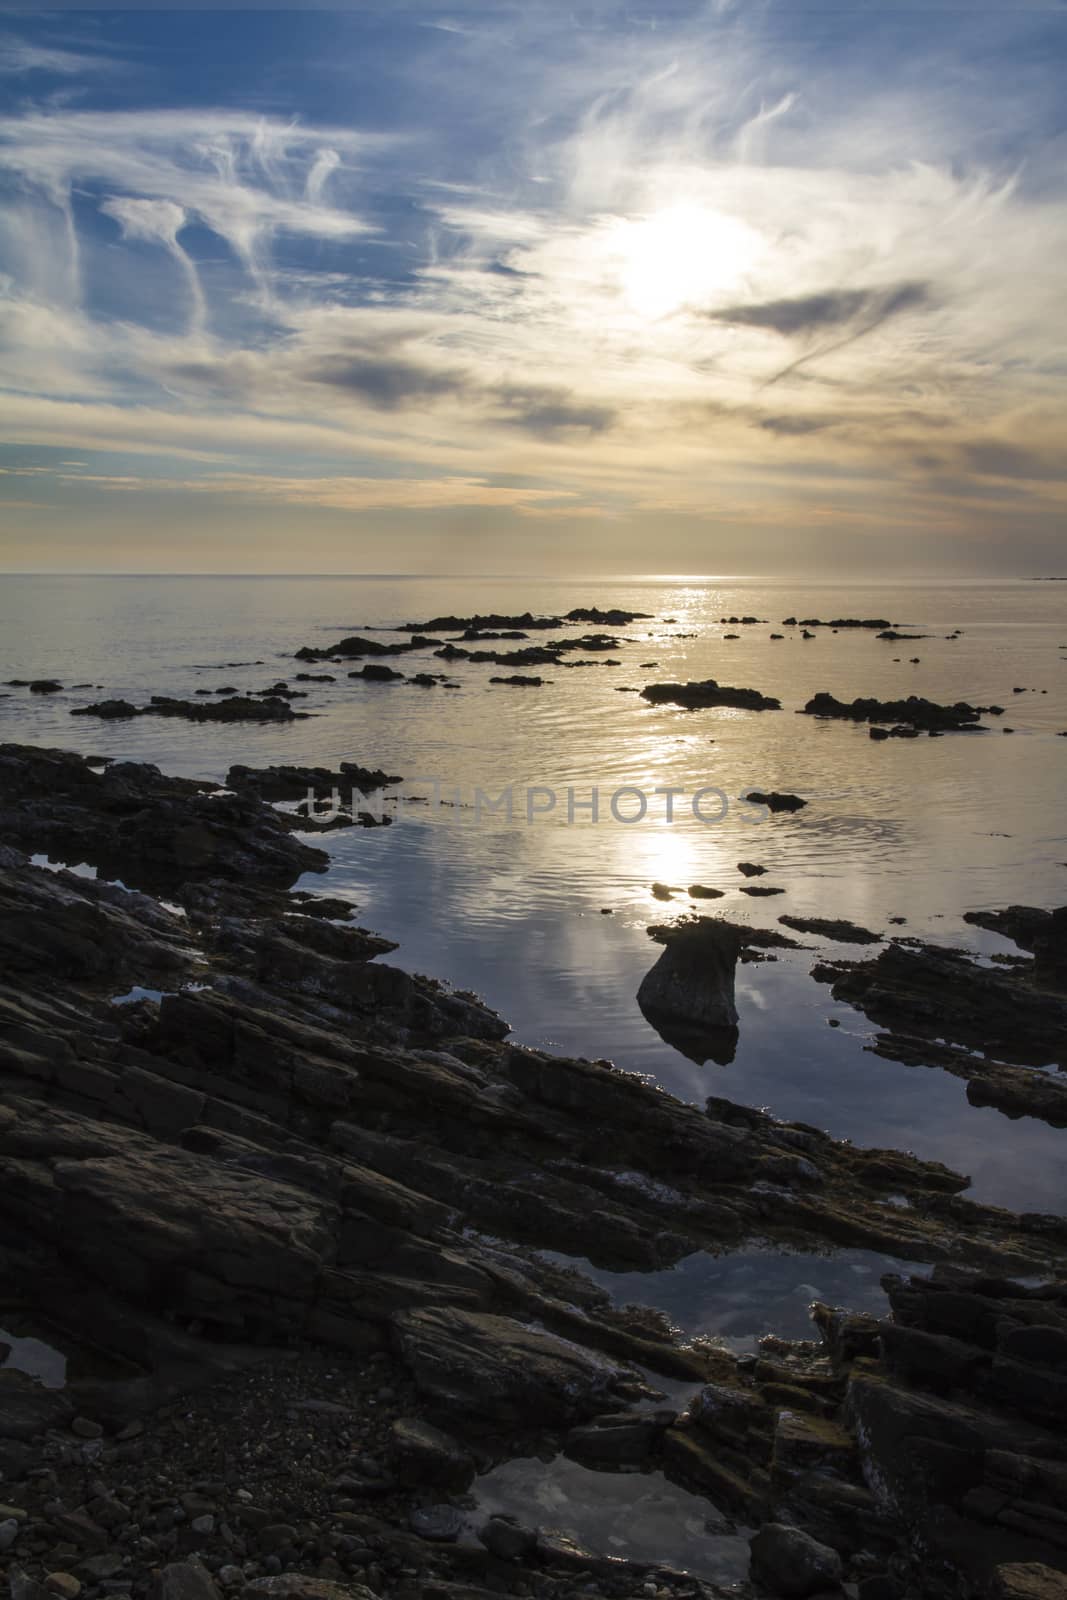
[(922, 829)]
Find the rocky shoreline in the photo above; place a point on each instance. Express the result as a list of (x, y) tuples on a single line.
[(293, 1214)]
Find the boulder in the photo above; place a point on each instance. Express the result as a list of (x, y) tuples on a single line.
[(789, 1562)]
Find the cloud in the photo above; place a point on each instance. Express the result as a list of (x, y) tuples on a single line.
[(386, 381), (19, 56), (832, 309), (550, 412)]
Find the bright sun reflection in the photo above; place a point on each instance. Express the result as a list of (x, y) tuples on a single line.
[(682, 255)]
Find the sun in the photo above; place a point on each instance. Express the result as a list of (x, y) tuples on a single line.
[(681, 256)]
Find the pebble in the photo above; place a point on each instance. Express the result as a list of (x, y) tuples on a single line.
[(9, 1532), (204, 1524), (86, 1428), (64, 1584)]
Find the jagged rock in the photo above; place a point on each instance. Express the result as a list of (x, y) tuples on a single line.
[(914, 712), (492, 1367)]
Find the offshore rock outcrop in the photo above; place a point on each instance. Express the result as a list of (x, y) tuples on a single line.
[(925, 716), (709, 693)]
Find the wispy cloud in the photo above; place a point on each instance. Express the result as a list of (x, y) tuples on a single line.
[(671, 273)]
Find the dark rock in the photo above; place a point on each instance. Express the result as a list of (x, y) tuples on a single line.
[(519, 681), (708, 693), (424, 1454), (506, 1538), (491, 1367), (440, 1524), (914, 712), (750, 870), (236, 708), (831, 928), (110, 709), (774, 801), (376, 672), (789, 1562), (186, 1580), (693, 980)]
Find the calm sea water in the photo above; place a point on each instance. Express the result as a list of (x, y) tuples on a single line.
[(923, 829)]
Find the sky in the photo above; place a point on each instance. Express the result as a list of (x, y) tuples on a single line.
[(736, 286)]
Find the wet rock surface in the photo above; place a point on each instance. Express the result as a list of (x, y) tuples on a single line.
[(297, 1201)]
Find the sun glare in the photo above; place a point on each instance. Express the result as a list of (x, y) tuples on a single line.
[(681, 256)]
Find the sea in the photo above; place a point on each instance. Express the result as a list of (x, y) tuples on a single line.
[(545, 914)]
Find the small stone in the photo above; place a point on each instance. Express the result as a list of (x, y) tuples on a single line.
[(229, 1576), (86, 1428), (204, 1524), (441, 1524), (64, 1584), (9, 1532)]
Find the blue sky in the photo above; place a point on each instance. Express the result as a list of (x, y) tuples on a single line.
[(719, 287)]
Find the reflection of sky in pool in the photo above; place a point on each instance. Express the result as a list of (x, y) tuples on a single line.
[(736, 1299), (634, 1516)]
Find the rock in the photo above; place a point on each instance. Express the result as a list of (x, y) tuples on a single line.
[(1028, 1580), (518, 681), (423, 1454), (606, 619), (295, 1586), (507, 1539), (789, 1562), (616, 1441), (185, 1580), (750, 869), (376, 672), (490, 1366), (693, 980), (9, 1532), (85, 1428), (760, 890), (701, 891), (708, 693), (914, 712), (63, 1584), (44, 686), (775, 801), (235, 708), (440, 1524), (831, 928), (109, 709)]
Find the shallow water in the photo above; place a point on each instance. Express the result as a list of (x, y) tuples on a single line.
[(633, 1516), (923, 829)]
